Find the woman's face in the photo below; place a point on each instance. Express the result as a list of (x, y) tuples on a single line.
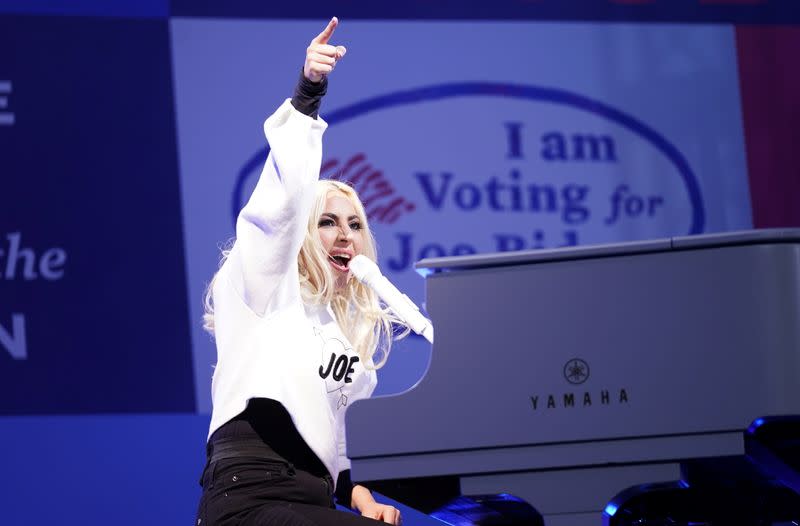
[(341, 234)]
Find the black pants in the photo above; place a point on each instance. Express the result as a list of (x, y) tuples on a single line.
[(253, 490)]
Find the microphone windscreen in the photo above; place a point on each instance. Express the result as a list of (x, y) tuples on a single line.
[(363, 268)]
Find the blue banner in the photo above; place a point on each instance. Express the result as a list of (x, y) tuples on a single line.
[(92, 285)]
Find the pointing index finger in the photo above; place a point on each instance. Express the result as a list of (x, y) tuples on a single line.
[(326, 34)]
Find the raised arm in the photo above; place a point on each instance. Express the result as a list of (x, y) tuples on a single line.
[(271, 227)]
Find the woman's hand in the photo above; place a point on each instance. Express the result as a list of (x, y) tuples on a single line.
[(321, 57), (382, 512), (362, 501)]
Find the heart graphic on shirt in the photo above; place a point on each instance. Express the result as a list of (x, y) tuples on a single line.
[(336, 366)]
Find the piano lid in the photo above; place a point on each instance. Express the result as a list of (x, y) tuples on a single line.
[(743, 237)]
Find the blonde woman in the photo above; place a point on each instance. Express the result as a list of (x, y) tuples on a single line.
[(297, 339)]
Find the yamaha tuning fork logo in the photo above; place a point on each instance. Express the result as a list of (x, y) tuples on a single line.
[(576, 371)]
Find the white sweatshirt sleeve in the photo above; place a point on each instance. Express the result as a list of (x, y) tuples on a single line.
[(271, 227)]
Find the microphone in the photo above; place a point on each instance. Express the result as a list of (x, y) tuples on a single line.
[(368, 273)]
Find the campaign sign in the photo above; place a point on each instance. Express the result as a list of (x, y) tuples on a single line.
[(92, 287), (542, 136)]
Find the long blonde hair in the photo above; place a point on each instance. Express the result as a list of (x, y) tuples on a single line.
[(368, 326)]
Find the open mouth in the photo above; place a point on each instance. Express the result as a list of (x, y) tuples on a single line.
[(340, 262)]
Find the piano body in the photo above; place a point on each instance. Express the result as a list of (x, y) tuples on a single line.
[(565, 376)]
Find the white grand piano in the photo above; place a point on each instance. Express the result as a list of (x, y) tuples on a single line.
[(564, 376)]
